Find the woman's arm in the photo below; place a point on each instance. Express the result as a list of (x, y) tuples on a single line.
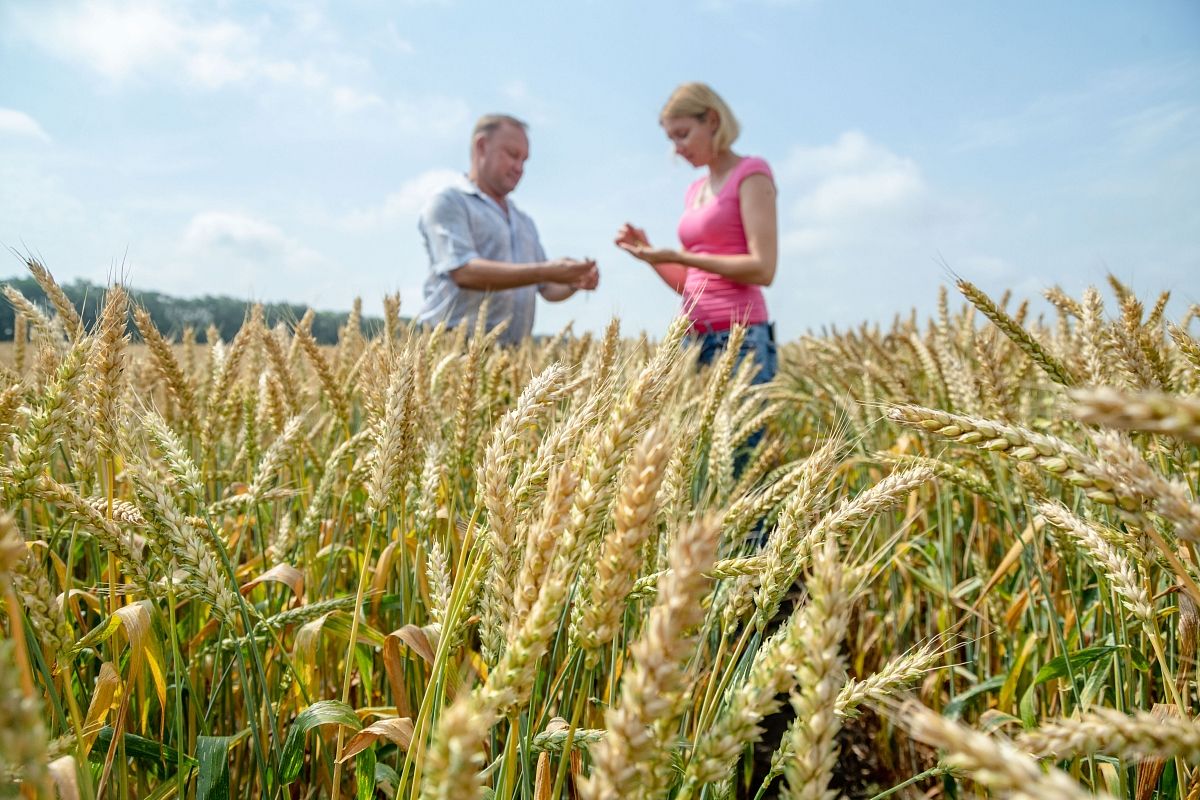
[(633, 240), (757, 197), (673, 275)]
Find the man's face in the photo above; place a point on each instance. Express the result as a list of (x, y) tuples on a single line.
[(500, 158)]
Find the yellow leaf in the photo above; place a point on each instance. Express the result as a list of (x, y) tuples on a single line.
[(286, 574), (107, 685), (397, 730)]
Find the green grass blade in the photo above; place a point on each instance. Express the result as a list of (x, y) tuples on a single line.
[(325, 712), (212, 753)]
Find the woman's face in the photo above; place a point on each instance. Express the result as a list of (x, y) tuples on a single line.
[(693, 137)]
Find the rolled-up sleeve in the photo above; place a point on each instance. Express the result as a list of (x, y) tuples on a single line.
[(447, 233)]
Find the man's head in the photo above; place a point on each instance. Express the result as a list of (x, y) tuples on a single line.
[(499, 148)]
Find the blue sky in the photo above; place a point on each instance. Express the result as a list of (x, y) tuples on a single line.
[(281, 150)]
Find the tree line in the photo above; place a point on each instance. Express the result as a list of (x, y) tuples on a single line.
[(172, 315)]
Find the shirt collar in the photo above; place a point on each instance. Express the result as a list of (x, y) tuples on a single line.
[(465, 184)]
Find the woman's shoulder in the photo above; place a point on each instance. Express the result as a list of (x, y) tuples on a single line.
[(754, 165)]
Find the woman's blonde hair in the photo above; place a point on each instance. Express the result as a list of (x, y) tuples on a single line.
[(697, 99)]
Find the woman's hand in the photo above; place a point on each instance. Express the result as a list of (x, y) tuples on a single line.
[(651, 255), (631, 235), (633, 240)]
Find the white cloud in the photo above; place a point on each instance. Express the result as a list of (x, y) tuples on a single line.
[(235, 232), (862, 235), (18, 123), (241, 255), (401, 206), (118, 40), (152, 40), (844, 186)]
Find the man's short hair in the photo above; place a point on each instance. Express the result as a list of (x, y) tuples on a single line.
[(489, 123)]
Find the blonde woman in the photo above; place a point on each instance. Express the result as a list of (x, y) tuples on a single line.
[(728, 231)]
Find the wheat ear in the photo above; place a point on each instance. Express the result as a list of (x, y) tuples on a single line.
[(634, 760), (1111, 732), (991, 761)]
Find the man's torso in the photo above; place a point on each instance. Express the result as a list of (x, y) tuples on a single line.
[(493, 235)]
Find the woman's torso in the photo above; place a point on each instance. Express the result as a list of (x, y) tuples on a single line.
[(716, 228)]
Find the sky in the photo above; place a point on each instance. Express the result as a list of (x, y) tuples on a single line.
[(282, 150)]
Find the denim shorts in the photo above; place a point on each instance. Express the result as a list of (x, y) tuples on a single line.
[(758, 344)]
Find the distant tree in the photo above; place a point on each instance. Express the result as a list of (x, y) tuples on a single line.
[(173, 314)]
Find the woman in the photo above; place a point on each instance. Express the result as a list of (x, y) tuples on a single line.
[(728, 230)]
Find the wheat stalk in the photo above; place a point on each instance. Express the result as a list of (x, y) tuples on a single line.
[(633, 759)]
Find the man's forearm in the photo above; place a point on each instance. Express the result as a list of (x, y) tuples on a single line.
[(484, 275), (556, 292)]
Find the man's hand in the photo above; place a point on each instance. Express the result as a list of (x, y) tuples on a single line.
[(573, 272), (590, 280), (564, 276)]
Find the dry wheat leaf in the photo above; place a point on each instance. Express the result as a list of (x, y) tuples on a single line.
[(135, 620), (397, 730), (108, 682), (286, 574), (422, 641)]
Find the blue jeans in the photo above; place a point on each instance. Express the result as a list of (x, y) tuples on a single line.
[(759, 344)]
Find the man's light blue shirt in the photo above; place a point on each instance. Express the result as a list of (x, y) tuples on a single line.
[(461, 223)]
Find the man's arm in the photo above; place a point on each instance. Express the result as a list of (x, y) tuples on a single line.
[(556, 292), (485, 275)]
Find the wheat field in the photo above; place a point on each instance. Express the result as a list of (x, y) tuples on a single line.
[(963, 561)]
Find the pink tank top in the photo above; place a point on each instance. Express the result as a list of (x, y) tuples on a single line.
[(716, 228)]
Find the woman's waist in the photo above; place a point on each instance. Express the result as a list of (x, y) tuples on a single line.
[(720, 314), (717, 291), (697, 279), (700, 328)]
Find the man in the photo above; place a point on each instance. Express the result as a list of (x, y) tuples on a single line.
[(482, 245)]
